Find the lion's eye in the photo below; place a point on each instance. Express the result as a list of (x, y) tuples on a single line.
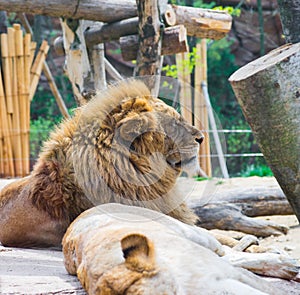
[(132, 148)]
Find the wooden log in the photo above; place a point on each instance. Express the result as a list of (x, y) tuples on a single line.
[(266, 264), (149, 60), (126, 27), (37, 67), (200, 108), (268, 92), (97, 10), (229, 217), (173, 41), (203, 23), (240, 198)]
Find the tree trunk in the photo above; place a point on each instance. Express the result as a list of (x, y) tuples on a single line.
[(290, 19), (173, 41), (268, 90), (149, 59)]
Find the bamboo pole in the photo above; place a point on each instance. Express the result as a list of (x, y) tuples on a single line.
[(59, 100), (200, 108), (6, 73), (182, 61), (1, 148), (37, 67), (16, 124), (32, 51), (27, 66), (8, 84), (8, 164), (22, 95)]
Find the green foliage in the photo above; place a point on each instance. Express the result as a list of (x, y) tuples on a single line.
[(229, 9), (262, 170), (39, 132), (190, 62)]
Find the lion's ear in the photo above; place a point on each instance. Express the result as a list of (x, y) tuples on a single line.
[(138, 252), (137, 124)]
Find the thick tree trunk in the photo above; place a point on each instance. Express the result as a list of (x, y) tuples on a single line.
[(173, 41), (149, 59), (290, 19), (268, 90)]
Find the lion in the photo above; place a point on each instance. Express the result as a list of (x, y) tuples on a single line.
[(123, 146), (117, 249)]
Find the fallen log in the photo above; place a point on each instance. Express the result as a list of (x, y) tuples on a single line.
[(229, 217), (230, 205), (268, 92)]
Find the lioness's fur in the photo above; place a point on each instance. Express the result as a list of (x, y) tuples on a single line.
[(115, 249), (123, 146)]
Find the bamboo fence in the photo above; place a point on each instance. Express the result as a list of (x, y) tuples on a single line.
[(19, 76)]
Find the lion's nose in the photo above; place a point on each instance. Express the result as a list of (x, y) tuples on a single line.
[(199, 139)]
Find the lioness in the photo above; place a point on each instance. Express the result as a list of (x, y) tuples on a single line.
[(123, 146), (116, 249)]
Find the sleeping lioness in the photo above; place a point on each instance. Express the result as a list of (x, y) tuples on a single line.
[(123, 146), (116, 249)]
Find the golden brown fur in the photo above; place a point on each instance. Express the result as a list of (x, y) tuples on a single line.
[(123, 146)]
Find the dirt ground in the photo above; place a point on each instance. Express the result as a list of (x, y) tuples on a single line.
[(29, 271)]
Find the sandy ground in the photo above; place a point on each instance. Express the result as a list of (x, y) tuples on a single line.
[(28, 271)]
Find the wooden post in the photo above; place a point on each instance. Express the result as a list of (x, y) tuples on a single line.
[(200, 107), (77, 61), (149, 59), (184, 76), (268, 90)]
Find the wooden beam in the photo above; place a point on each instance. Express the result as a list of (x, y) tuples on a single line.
[(173, 41), (96, 10)]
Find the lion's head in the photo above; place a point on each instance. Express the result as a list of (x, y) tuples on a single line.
[(132, 146)]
